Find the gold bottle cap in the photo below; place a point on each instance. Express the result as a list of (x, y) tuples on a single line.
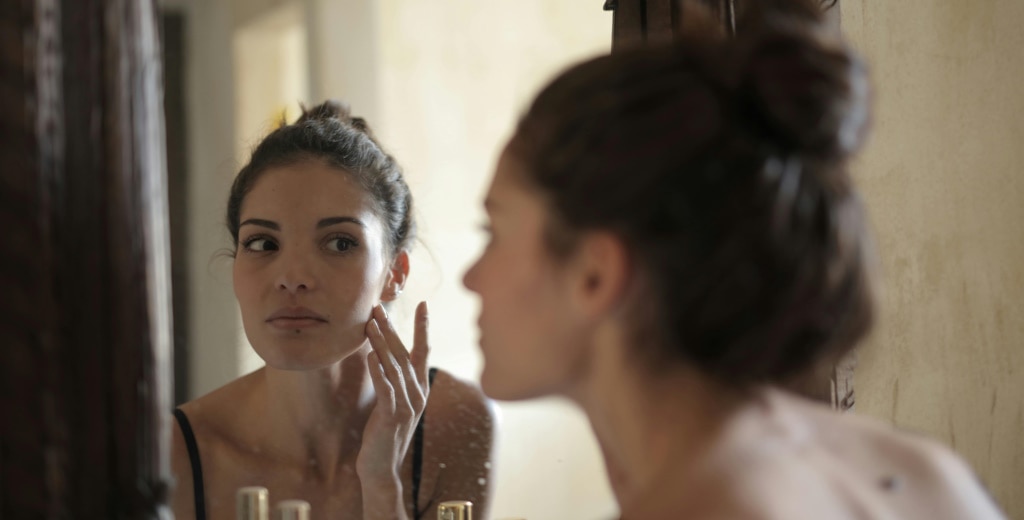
[(455, 510), (293, 510), (252, 503)]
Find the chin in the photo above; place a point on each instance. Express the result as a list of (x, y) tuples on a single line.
[(506, 387)]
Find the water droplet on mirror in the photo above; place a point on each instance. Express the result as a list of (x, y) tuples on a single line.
[(482, 481)]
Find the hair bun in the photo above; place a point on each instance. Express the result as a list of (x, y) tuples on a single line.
[(806, 87), (334, 110)]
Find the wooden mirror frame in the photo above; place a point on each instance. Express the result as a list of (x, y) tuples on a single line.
[(85, 316)]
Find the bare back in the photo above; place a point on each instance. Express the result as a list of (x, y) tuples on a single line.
[(812, 463)]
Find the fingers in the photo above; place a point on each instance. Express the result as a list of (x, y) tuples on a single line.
[(420, 344), (406, 373), (386, 359), (418, 358), (385, 392)]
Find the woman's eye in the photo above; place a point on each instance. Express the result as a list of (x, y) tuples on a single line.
[(260, 244), (341, 244)]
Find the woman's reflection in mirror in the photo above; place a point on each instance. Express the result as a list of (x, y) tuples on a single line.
[(674, 234), (321, 222)]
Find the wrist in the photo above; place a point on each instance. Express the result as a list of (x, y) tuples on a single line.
[(382, 497), (385, 481)]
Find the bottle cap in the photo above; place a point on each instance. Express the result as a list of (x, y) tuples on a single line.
[(252, 503), (293, 510), (455, 510)]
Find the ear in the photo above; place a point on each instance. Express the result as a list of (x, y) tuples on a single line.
[(603, 271), (396, 277)]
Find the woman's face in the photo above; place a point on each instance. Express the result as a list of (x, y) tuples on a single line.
[(310, 265), (532, 345)]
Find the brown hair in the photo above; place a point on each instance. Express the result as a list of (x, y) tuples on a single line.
[(722, 165), (329, 133)]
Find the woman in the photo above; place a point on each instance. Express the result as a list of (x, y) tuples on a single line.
[(340, 417), (673, 237)]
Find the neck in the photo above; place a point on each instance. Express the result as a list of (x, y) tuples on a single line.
[(653, 426), (315, 419)]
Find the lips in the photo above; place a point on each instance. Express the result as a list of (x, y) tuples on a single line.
[(295, 317)]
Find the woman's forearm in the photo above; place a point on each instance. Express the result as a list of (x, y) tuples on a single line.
[(382, 499)]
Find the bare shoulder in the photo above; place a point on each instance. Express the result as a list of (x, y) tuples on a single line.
[(761, 484), (906, 472), (946, 482), (216, 415), (182, 496), (209, 419), (459, 430), (460, 421), (457, 401)]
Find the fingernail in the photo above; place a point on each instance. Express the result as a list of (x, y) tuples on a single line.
[(383, 310)]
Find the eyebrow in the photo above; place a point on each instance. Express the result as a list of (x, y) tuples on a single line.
[(325, 222), (330, 221), (262, 223)]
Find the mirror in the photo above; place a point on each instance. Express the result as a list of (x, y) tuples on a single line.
[(949, 342), (441, 84)]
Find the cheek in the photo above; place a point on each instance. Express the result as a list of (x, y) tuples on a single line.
[(244, 284), (530, 341), (523, 309), (354, 288)]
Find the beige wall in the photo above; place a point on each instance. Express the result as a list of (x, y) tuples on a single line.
[(454, 77), (943, 182), (210, 116)]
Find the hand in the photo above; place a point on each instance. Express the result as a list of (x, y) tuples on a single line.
[(400, 381)]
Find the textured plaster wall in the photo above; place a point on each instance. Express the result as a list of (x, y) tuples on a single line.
[(943, 180)]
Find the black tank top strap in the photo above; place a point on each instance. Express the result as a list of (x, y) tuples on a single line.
[(417, 456), (193, 457)]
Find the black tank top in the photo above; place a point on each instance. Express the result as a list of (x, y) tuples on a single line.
[(197, 467)]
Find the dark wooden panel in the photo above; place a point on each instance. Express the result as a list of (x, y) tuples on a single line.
[(628, 24), (660, 21), (84, 321), (25, 488)]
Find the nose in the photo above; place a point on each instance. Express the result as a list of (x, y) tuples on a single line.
[(295, 275)]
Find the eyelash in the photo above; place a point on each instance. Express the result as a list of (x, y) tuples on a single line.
[(347, 240), (247, 244)]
